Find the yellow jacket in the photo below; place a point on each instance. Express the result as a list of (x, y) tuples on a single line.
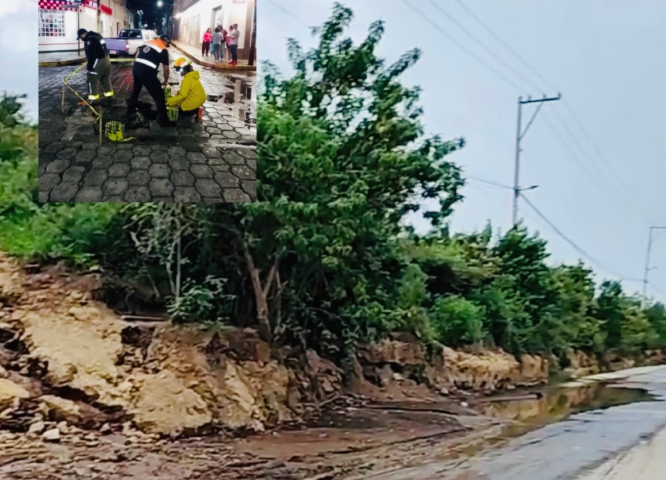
[(191, 95)]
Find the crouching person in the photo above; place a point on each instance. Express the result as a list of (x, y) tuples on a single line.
[(191, 95)]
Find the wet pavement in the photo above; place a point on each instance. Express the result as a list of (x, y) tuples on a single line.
[(212, 161), (558, 451)]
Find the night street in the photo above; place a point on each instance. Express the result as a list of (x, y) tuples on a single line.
[(212, 161)]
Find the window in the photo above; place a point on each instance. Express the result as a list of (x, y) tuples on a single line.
[(51, 23)]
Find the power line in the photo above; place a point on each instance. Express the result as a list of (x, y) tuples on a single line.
[(288, 13), (504, 44), (488, 182), (574, 245), (462, 46), (483, 46)]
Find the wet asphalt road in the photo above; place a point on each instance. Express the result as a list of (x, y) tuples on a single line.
[(564, 450)]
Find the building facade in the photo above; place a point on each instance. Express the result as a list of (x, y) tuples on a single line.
[(191, 18), (59, 21)]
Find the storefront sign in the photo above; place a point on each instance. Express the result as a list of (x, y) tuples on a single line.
[(103, 8)]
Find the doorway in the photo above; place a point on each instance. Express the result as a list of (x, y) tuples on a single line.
[(216, 18)]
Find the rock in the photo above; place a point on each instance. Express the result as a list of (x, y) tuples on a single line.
[(11, 394), (60, 409), (3, 372), (63, 427), (52, 435), (105, 429), (37, 427)]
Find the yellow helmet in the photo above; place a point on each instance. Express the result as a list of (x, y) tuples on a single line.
[(182, 62)]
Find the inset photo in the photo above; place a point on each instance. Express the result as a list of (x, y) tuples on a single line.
[(147, 101)]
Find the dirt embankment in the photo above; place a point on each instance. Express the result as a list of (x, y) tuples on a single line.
[(77, 382)]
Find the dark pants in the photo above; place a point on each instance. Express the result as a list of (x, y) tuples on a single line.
[(144, 76), (234, 52), (187, 113), (205, 48)]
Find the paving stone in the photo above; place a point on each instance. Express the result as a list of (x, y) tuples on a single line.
[(48, 181), (231, 134), (67, 153), (186, 195), (119, 170), (219, 162), (138, 177), (64, 192), (142, 151), (157, 148), (53, 147), (107, 150), (252, 164), (137, 194), (161, 187), (211, 153), (102, 163), (162, 200), (90, 146), (95, 178), (86, 156), (124, 146), (113, 199), (43, 197), (159, 156), (176, 151), (89, 194), (247, 153), (196, 158), (182, 179), (140, 163), (115, 186), (235, 195), (179, 163), (233, 158), (73, 174), (201, 171), (159, 171), (58, 166), (250, 187), (243, 172), (123, 156), (227, 180), (208, 188)]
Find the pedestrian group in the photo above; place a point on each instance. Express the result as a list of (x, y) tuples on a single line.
[(221, 44)]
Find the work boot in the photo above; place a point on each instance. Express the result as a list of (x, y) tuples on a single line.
[(166, 123)]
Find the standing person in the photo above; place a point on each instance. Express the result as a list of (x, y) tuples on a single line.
[(217, 43), (205, 45), (98, 67), (146, 66), (233, 44)]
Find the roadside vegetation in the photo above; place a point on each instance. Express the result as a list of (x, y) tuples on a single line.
[(323, 259)]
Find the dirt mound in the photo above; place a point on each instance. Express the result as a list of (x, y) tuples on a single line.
[(169, 380)]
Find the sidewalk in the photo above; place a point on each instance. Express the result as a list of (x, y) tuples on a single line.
[(194, 54), (61, 59)]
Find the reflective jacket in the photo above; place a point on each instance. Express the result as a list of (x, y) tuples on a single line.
[(191, 94), (95, 48), (152, 53)]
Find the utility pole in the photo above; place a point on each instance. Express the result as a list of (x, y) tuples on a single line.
[(519, 136), (647, 263), (99, 17)]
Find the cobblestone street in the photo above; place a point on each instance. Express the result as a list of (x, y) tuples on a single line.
[(212, 161)]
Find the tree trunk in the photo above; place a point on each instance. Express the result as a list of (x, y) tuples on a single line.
[(261, 294)]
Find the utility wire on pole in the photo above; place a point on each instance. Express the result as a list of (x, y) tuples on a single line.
[(647, 262), (520, 133)]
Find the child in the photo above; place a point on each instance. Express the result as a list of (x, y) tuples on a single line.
[(191, 95)]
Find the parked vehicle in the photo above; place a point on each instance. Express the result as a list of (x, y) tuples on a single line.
[(129, 41)]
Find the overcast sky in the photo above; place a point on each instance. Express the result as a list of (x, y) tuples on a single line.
[(602, 55), (18, 50)]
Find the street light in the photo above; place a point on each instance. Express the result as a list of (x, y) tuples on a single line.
[(159, 3)]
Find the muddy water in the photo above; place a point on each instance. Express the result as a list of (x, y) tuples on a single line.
[(556, 437)]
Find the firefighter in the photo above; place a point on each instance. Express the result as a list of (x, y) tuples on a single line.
[(146, 66), (98, 67)]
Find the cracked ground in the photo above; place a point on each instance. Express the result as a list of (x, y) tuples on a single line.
[(209, 162)]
